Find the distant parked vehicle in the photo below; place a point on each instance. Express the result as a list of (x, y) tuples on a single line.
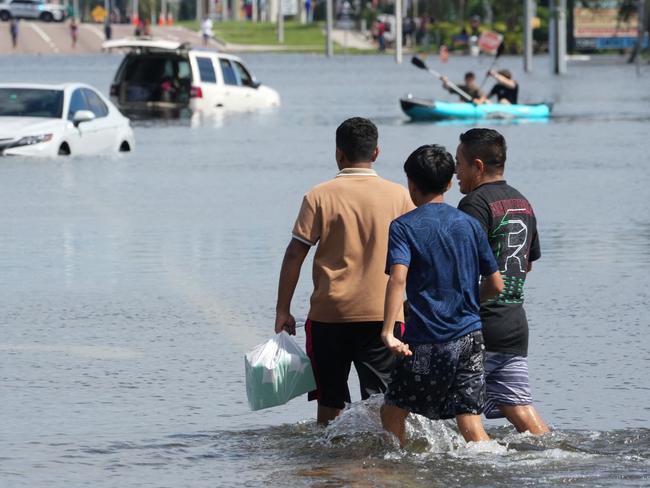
[(32, 9), (170, 78), (51, 120)]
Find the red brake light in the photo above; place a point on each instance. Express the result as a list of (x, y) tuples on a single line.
[(196, 92)]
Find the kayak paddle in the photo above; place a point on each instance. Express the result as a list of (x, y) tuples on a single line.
[(496, 57), (420, 64)]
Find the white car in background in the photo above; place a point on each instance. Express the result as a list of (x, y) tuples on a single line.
[(32, 9), (171, 78), (69, 119)]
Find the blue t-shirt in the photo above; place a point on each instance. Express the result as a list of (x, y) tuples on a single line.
[(446, 252)]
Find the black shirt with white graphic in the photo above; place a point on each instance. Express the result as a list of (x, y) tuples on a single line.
[(511, 226)]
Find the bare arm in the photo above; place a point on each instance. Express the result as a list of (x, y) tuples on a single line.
[(507, 82), (294, 256), (491, 286), (394, 302)]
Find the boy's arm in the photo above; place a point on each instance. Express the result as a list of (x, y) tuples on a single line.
[(394, 301), (491, 286), (294, 256)]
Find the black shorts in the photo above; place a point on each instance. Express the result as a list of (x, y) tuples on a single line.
[(333, 347), (440, 381)]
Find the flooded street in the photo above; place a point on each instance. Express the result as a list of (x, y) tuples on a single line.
[(132, 286)]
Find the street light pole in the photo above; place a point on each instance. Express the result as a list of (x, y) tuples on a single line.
[(398, 31), (557, 36), (280, 23), (329, 43), (528, 36)]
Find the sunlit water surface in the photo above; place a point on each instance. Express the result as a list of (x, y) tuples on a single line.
[(133, 285)]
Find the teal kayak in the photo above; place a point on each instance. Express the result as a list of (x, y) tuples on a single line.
[(423, 109)]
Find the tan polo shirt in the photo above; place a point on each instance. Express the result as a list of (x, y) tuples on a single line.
[(348, 219)]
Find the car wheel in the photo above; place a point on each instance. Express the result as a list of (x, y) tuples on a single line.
[(47, 17), (64, 149), (5, 16), (124, 147)]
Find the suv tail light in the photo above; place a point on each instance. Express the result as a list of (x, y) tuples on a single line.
[(196, 92), (115, 90)]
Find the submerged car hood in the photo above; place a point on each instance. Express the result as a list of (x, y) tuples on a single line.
[(28, 126)]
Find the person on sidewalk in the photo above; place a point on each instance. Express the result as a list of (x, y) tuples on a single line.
[(508, 219), (347, 219), (74, 32), (436, 253), (13, 30), (206, 30)]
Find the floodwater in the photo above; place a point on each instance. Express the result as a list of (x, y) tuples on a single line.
[(133, 285)]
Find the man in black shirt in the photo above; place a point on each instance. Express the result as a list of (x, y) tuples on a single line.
[(506, 89), (511, 226)]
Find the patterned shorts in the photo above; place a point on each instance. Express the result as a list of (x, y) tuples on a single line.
[(506, 380), (440, 381)]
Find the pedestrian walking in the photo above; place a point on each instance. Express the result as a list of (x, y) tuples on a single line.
[(74, 30), (13, 29)]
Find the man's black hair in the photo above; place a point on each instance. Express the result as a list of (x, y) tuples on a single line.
[(487, 145), (470, 74), (357, 139), (430, 168)]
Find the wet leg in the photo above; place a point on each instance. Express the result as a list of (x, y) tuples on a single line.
[(392, 419), (326, 414), (525, 418), (471, 427)]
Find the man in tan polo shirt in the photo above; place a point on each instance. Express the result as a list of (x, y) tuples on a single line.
[(347, 219)]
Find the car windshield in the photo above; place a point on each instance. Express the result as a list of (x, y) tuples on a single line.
[(31, 102)]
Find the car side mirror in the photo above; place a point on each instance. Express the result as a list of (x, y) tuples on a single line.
[(82, 116), (255, 84)]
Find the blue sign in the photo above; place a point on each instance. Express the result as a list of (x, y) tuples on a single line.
[(618, 42)]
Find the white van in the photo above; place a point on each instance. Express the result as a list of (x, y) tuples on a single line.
[(171, 78)]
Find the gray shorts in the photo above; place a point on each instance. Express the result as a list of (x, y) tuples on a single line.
[(440, 381), (506, 381)]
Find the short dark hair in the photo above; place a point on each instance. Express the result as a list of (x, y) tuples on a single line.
[(430, 168), (357, 139), (487, 145), (470, 74)]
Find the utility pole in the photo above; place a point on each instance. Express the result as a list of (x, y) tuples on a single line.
[(329, 42), (280, 23), (557, 36), (641, 24), (398, 31), (528, 35)]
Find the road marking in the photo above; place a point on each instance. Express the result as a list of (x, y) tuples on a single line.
[(43, 36), (94, 30)]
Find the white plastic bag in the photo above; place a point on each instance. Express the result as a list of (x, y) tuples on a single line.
[(277, 371)]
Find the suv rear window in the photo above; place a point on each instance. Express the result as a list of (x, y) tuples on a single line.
[(155, 77), (206, 70)]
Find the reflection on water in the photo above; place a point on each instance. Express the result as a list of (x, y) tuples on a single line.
[(133, 285)]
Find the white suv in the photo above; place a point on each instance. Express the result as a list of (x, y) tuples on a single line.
[(170, 78), (32, 9)]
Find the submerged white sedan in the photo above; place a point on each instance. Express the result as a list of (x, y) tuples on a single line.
[(69, 119)]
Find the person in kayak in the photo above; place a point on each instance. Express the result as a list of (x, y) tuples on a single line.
[(470, 87), (505, 89)]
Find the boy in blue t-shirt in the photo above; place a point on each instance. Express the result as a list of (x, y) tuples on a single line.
[(437, 254)]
